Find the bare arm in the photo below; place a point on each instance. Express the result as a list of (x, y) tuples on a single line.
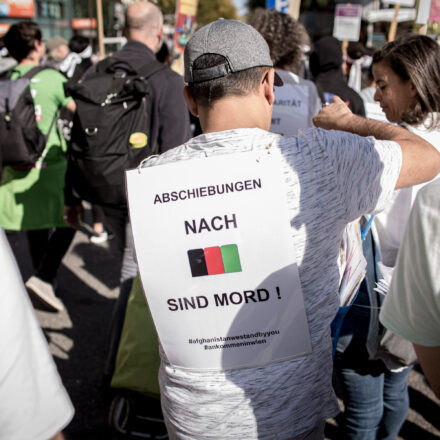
[(429, 358), (71, 106), (420, 160)]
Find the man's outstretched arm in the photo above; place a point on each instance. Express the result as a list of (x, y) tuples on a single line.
[(420, 160)]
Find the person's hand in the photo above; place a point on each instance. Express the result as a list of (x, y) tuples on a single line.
[(74, 215), (335, 116)]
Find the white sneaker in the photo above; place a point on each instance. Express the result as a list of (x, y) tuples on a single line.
[(99, 238), (44, 292)]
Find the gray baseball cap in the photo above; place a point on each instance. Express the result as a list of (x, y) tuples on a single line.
[(242, 46)]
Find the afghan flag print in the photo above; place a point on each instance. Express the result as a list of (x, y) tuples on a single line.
[(214, 260)]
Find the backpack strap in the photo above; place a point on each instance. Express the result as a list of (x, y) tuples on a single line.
[(147, 70), (34, 71), (6, 74), (151, 68), (30, 75), (110, 64)]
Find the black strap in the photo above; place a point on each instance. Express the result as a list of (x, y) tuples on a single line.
[(55, 117), (30, 74), (151, 68), (33, 72), (6, 74), (110, 65)]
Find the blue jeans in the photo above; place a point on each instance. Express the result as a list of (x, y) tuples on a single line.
[(376, 403), (375, 398)]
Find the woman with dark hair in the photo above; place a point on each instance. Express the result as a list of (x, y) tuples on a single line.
[(297, 102), (372, 363), (407, 73), (32, 199)]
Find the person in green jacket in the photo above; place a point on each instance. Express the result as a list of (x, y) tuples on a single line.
[(32, 199)]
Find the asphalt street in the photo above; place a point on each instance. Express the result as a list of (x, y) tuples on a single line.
[(78, 337)]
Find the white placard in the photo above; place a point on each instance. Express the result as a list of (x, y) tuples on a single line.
[(388, 15), (409, 3), (423, 12), (347, 23), (191, 220), (290, 110)]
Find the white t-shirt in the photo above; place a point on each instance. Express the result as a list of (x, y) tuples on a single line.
[(296, 103), (33, 402), (389, 225), (412, 306), (331, 178)]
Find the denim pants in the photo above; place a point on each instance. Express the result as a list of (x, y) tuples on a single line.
[(375, 398), (376, 402)]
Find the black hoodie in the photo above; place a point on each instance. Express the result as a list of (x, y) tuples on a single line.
[(326, 68)]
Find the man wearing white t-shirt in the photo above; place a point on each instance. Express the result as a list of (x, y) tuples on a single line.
[(33, 402), (329, 178), (412, 306)]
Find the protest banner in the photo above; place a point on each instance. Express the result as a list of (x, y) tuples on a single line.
[(186, 11), (347, 22)]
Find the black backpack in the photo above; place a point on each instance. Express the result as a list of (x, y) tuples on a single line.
[(110, 129), (21, 141)]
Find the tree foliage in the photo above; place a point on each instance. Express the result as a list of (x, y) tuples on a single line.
[(167, 6), (210, 10)]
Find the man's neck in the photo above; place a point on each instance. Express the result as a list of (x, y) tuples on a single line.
[(145, 42), (31, 60), (232, 113)]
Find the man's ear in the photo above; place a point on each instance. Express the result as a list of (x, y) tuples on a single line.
[(267, 85), (160, 37), (40, 48), (190, 101)]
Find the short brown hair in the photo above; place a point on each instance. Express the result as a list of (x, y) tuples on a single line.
[(20, 39)]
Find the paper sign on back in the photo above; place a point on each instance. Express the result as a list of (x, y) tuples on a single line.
[(217, 260)]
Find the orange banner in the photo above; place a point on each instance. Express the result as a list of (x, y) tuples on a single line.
[(83, 23), (17, 8)]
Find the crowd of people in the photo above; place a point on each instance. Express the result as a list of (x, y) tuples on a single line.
[(261, 93)]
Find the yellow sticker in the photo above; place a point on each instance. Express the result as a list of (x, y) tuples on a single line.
[(138, 140)]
